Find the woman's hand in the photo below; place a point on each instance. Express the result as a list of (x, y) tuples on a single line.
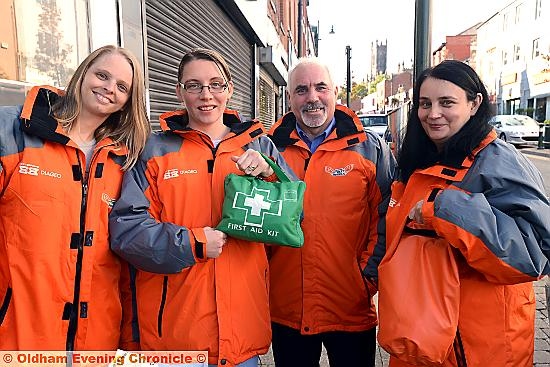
[(253, 164), (215, 240), (416, 212)]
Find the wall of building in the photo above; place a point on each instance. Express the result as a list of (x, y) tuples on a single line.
[(512, 47)]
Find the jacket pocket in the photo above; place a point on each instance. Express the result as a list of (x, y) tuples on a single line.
[(5, 305), (162, 305)]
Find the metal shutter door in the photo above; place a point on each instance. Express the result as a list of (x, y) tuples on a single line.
[(174, 27), (267, 99)]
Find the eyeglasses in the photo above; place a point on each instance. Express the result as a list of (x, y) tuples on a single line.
[(196, 88)]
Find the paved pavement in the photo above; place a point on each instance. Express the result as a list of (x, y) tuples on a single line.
[(542, 338), (542, 326), (536, 151)]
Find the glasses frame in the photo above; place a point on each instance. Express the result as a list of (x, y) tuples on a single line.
[(225, 86)]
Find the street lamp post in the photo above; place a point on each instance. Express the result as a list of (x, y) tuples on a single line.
[(348, 76), (422, 36)]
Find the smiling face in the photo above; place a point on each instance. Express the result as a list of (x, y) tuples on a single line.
[(312, 97), (444, 109), (106, 86), (205, 108)]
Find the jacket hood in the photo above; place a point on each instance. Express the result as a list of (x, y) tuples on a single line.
[(37, 119), (36, 115)]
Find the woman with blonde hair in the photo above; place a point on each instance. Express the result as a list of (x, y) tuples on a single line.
[(62, 157)]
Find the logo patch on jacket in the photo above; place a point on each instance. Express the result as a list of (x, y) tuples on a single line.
[(175, 172), (34, 170), (339, 171), (108, 200)]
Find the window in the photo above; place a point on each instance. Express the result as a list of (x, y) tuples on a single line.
[(491, 58), (517, 52), (47, 40), (538, 5), (518, 14), (504, 21), (504, 57), (536, 50)]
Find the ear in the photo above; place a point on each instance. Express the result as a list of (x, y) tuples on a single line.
[(475, 104)]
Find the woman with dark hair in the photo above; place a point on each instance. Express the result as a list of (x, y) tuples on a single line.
[(477, 195), (62, 158)]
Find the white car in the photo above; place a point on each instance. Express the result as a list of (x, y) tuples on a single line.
[(516, 129), (376, 122)]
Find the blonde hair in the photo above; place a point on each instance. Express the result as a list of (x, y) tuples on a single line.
[(129, 126)]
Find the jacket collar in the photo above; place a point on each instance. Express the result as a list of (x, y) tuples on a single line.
[(37, 119), (36, 115), (348, 130), (457, 174), (243, 131)]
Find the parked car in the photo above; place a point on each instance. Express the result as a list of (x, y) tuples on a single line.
[(516, 129), (376, 122)]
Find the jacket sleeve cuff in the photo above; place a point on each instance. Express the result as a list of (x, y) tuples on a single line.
[(271, 178), (199, 245)]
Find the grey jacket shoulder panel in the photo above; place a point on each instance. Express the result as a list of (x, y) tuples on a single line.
[(157, 247), (501, 201), (378, 152)]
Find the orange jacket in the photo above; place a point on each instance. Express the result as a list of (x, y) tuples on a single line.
[(321, 286), (219, 305), (494, 211), (59, 281)]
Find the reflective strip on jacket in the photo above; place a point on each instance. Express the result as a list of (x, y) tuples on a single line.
[(174, 191), (494, 211), (59, 281), (328, 284)]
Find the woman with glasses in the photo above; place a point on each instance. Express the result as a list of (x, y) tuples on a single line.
[(197, 288)]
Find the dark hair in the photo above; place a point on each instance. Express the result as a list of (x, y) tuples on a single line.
[(418, 151), (205, 54)]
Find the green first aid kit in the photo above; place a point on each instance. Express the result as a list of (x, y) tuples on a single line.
[(261, 211)]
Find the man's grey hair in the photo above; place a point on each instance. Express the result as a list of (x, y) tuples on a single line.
[(309, 60)]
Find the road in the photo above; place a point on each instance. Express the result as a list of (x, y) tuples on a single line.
[(542, 163)]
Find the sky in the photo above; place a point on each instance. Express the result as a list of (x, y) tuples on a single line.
[(359, 23)]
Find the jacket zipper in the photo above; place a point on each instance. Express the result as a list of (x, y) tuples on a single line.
[(73, 317), (459, 351), (162, 304), (5, 305), (363, 278)]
